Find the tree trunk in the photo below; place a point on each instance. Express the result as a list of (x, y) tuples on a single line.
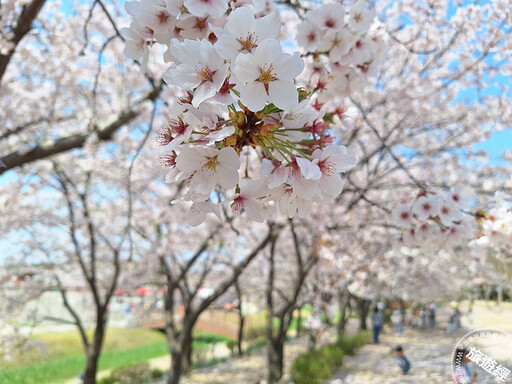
[(181, 352), (186, 364), (299, 321), (241, 318), (91, 366), (275, 354), (311, 341), (240, 332), (176, 365), (343, 303), (93, 351), (363, 308)]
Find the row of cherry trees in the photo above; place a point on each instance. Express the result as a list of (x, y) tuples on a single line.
[(254, 136)]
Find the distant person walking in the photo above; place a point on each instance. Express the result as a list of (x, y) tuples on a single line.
[(397, 319), (423, 318), (458, 315), (431, 310), (469, 314), (451, 323), (377, 321)]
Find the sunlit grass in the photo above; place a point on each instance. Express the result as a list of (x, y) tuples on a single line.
[(488, 315)]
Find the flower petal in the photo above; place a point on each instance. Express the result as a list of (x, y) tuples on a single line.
[(283, 94)]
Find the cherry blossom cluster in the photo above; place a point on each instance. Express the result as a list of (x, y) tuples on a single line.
[(344, 50), (243, 133), (434, 219), (496, 224)]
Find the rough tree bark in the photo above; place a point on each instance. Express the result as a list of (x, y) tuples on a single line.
[(241, 318), (343, 306), (363, 308)]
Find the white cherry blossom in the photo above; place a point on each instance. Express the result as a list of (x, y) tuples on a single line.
[(267, 75), (247, 199), (304, 177), (449, 212), (161, 22), (337, 43), (244, 32), (328, 17), (201, 69), (199, 210), (331, 161), (360, 17), (308, 36), (274, 171), (137, 42), (402, 215), (215, 8), (208, 167), (426, 206), (460, 196)]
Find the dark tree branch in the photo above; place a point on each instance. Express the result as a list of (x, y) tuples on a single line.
[(18, 158), (23, 26), (22, 127), (73, 314)]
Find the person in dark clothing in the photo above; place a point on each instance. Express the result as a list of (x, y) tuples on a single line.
[(403, 362), (377, 321)]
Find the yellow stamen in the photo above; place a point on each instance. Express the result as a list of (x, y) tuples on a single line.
[(266, 74), (248, 43), (211, 164), (204, 73)]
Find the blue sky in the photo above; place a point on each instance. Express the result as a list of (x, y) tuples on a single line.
[(496, 145)]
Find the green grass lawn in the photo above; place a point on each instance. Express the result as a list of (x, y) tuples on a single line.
[(68, 344), (67, 367), (65, 359)]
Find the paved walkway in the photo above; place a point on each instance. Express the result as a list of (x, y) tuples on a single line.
[(429, 352)]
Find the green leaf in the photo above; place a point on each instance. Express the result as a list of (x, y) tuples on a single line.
[(271, 108)]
